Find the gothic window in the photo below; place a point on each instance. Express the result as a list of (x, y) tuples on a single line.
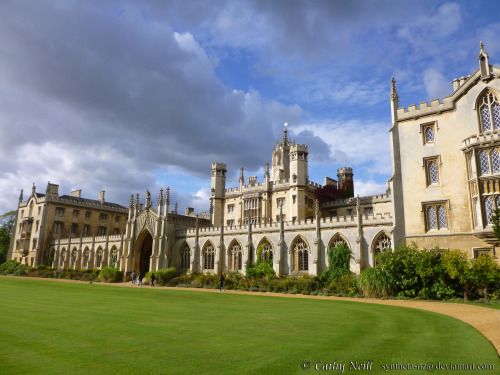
[(209, 257), (73, 257), (431, 218), (301, 256), (73, 228), (381, 243), (101, 231), (230, 208), (368, 211), (86, 258), (441, 215), (489, 209), (59, 211), (235, 257), (75, 213), (489, 110), (337, 240), (98, 260), (432, 172), (114, 256), (472, 166), (87, 215), (266, 252), (185, 257), (484, 162), (63, 258), (495, 161), (86, 230), (429, 133), (478, 211), (103, 217)]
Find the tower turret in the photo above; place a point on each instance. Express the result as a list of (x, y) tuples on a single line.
[(218, 191), (298, 164), (345, 182), (280, 168)]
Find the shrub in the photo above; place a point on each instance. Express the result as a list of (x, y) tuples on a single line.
[(163, 276), (9, 267), (110, 275), (375, 282), (346, 285), (339, 262)]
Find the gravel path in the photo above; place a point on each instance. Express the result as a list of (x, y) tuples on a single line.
[(485, 320)]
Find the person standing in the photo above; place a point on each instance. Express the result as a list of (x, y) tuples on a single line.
[(221, 283), (133, 277), (153, 279), (139, 279)]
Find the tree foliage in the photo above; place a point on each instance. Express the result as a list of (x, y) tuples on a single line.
[(6, 228)]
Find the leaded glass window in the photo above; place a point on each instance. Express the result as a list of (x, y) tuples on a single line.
[(337, 240), (383, 242), (235, 257), (472, 166), (431, 217), (185, 257), (98, 261), (495, 161), (301, 256), (485, 163), (429, 134), (209, 257), (85, 258), (490, 112), (478, 212), (266, 252), (489, 209), (441, 215), (433, 173)]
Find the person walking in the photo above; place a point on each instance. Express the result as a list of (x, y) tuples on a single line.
[(221, 283), (139, 279), (153, 280), (133, 277)]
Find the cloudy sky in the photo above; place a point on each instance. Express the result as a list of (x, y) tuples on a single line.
[(127, 95)]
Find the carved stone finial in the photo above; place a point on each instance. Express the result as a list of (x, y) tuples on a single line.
[(176, 208), (285, 133), (241, 175), (481, 47), (131, 200), (317, 207), (266, 174), (394, 93), (167, 196), (21, 196), (137, 199)]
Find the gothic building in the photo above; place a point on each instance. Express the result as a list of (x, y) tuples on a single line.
[(443, 191)]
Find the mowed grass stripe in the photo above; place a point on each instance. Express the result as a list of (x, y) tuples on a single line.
[(72, 328)]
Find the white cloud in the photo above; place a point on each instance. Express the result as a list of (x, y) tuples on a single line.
[(370, 187), (436, 84)]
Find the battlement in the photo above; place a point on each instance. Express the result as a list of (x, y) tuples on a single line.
[(219, 166), (88, 239), (297, 147)]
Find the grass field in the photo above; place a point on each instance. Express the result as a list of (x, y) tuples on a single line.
[(50, 327)]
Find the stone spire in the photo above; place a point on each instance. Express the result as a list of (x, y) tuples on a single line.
[(33, 189), (242, 179), (484, 65), (285, 135), (160, 201), (394, 93), (266, 173), (21, 196)]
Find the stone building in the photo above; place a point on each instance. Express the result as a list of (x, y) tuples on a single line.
[(443, 191), (446, 165)]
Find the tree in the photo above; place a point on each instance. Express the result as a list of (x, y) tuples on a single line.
[(327, 193), (6, 227), (495, 220), (339, 262)]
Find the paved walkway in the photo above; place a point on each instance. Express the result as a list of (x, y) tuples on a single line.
[(485, 320)]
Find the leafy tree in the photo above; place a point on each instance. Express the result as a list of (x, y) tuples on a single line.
[(6, 227), (495, 220), (339, 262), (458, 267), (327, 193)]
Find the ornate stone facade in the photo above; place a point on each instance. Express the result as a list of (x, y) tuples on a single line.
[(444, 187)]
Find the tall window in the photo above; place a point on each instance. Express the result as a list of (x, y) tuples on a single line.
[(436, 217), (472, 166), (431, 170), (429, 133), (58, 227), (250, 210), (337, 240), (86, 258), (381, 243), (495, 161), (490, 112), (478, 211), (235, 257), (185, 257), (301, 256), (209, 257), (489, 209), (63, 257), (484, 162), (266, 251), (98, 260)]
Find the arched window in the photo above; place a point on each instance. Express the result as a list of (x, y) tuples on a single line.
[(431, 217), (266, 253), (63, 257), (381, 243), (337, 240), (495, 161), (185, 257), (86, 256), (209, 257), (74, 254), (433, 173), (489, 110), (489, 209), (485, 163), (429, 134), (235, 257), (301, 255), (98, 259), (472, 166), (114, 256), (478, 212), (441, 215)]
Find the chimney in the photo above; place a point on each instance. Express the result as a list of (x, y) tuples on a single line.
[(52, 190), (189, 211), (456, 84), (101, 196), (76, 193)]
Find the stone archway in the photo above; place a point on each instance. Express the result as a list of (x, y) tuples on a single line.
[(143, 253)]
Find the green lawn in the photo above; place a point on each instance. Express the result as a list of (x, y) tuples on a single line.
[(50, 327)]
